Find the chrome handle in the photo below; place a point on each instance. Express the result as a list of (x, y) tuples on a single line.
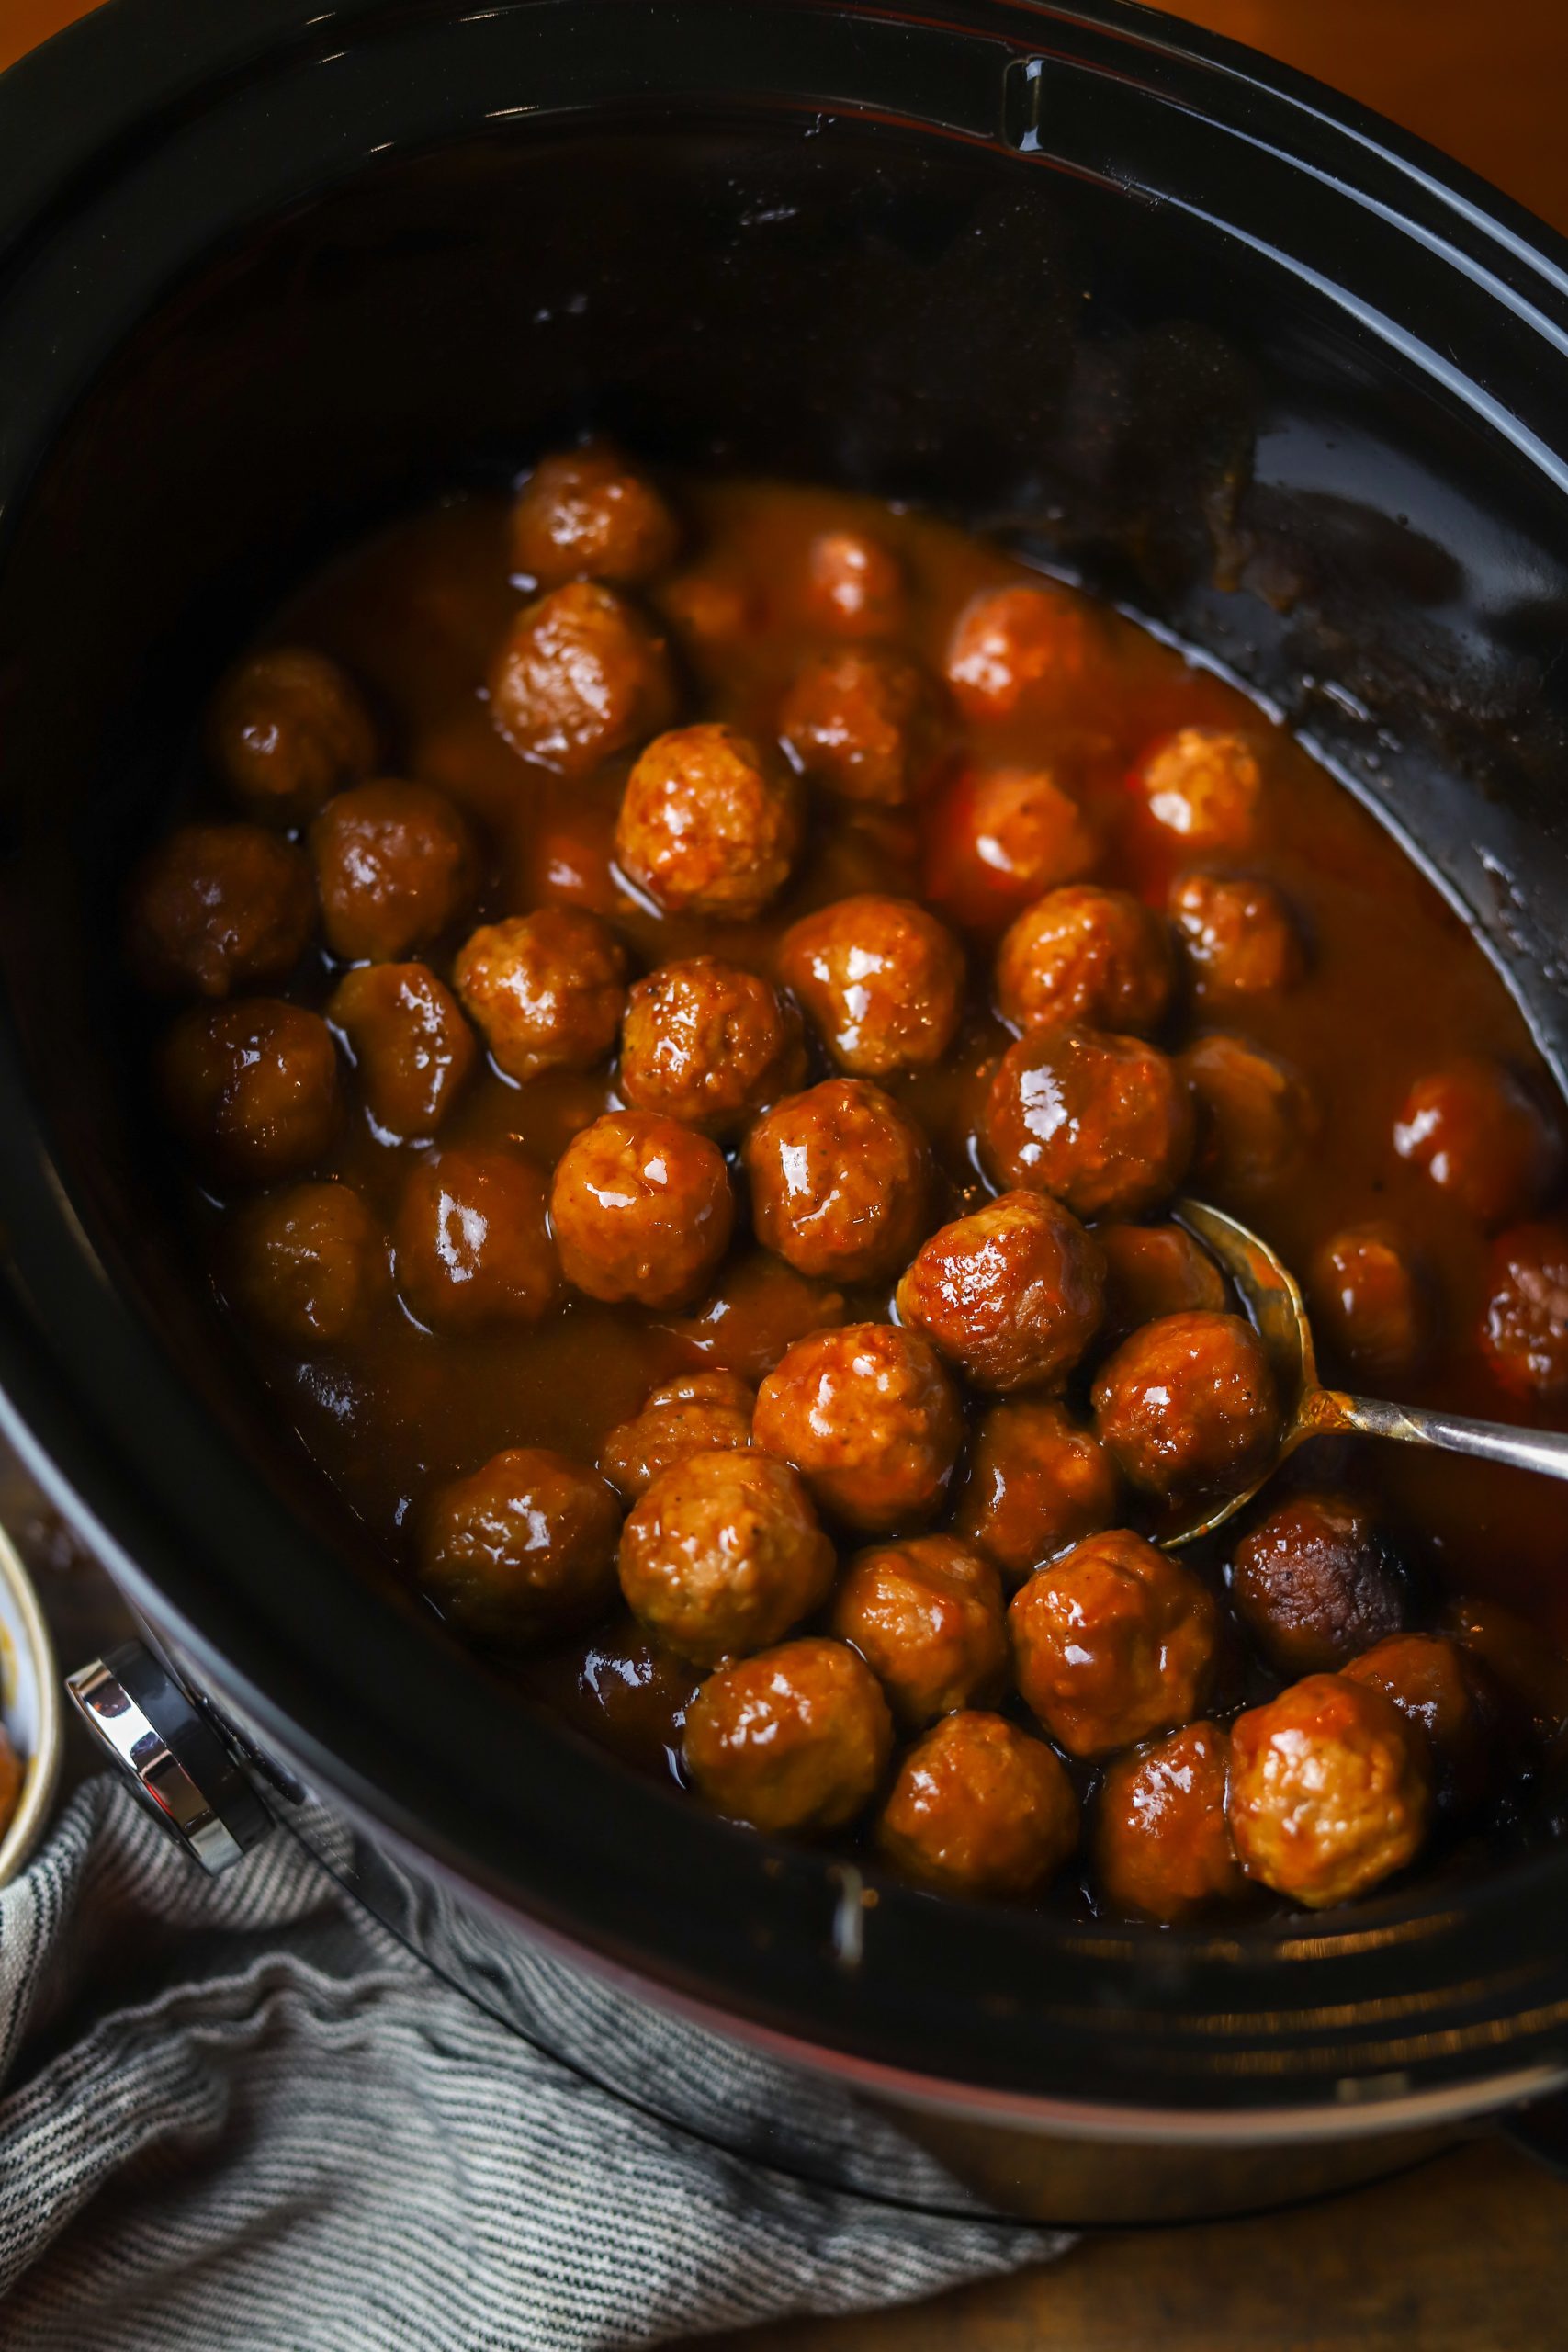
[(180, 1768), (1542, 1450)]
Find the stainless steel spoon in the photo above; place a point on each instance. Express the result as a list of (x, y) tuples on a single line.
[(1270, 1291)]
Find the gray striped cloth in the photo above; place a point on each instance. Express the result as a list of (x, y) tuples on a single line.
[(241, 2113)]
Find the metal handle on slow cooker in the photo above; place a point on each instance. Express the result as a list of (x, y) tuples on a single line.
[(178, 1764)]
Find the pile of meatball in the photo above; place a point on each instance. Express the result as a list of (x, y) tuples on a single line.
[(1052, 1369)]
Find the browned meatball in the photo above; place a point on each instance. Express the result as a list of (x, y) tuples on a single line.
[(1443, 1690), (1524, 1328), (1001, 837), (707, 825), (926, 1615), (840, 1181), (1483, 1138), (1317, 1580), (547, 990), (1100, 1122), (580, 675), (216, 908), (795, 1739), (1163, 1847), (702, 1412), (1255, 1114), (1204, 785), (757, 1311), (395, 867), (869, 1418), (310, 1265), (708, 1042), (1036, 1484), (980, 1807), (642, 1209), (472, 1245), (521, 1549), (1019, 647), (882, 979), (864, 723), (1239, 933), (1085, 954), (1112, 1641), (1153, 1270), (287, 729), (251, 1087), (1330, 1789), (854, 584), (587, 514), (723, 1554), (409, 1042), (1013, 1294), (1188, 1405), (1370, 1300)]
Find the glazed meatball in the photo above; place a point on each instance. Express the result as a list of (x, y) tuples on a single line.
[(473, 1249), (854, 584), (840, 1181), (1084, 955), (217, 908), (1153, 1270), (1443, 1690), (251, 1088), (1525, 1328), (980, 1807), (702, 1412), (1317, 1581), (723, 1554), (1204, 786), (708, 1042), (1112, 1641), (1370, 1301), (882, 979), (1239, 933), (863, 723), (795, 1739), (547, 990), (1330, 1790), (642, 1210), (708, 826), (1001, 836), (580, 676), (408, 1040), (395, 867), (1037, 1484), (587, 514), (287, 729), (1100, 1122), (521, 1549), (757, 1311), (310, 1265), (1162, 1844), (1188, 1405), (1013, 1294), (1017, 647), (926, 1615), (1255, 1115), (1483, 1139), (869, 1418)]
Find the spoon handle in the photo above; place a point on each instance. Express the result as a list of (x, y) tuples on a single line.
[(1544, 1449)]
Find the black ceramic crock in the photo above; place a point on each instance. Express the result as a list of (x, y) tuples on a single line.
[(1168, 319)]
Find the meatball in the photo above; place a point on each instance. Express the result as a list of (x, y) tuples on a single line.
[(1112, 1641), (758, 1311), (840, 1181), (1013, 1294), (395, 867), (882, 979), (1330, 1789), (1000, 838), (310, 1265), (1188, 1405), (642, 1210), (1317, 1580), (1443, 1690), (1100, 1122), (795, 1739), (1255, 1114), (1239, 933), (1085, 954), (287, 729), (587, 514), (980, 1807), (217, 908), (1153, 1270), (547, 990), (1162, 1842), (702, 1412), (869, 1418), (926, 1615), (863, 723), (1015, 648), (854, 584), (409, 1042), (472, 1245), (1525, 1328), (1370, 1300), (580, 675), (1482, 1136), (521, 1549), (708, 1042), (707, 826), (1204, 786), (723, 1554), (251, 1087), (1037, 1484)]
